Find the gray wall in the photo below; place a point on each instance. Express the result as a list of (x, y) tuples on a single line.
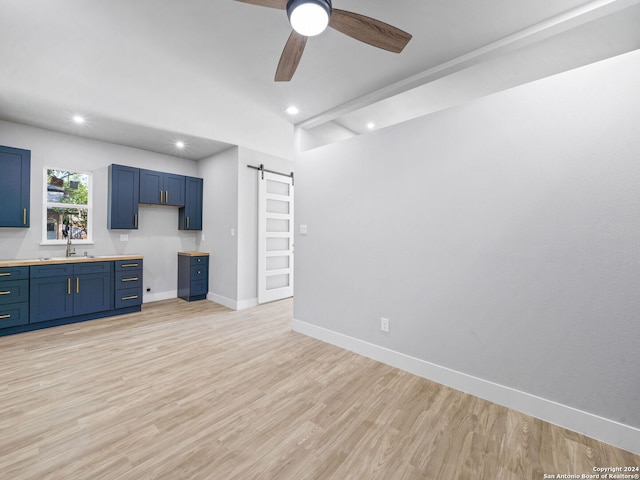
[(220, 216), (501, 238), (157, 238)]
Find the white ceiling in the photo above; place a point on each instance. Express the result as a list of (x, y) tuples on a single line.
[(148, 72)]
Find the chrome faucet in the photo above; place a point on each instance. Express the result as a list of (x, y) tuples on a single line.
[(69, 250)]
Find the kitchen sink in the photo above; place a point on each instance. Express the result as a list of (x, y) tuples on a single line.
[(65, 259)]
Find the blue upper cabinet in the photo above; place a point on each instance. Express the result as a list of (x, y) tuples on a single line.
[(159, 188), (15, 175), (124, 184), (190, 217)]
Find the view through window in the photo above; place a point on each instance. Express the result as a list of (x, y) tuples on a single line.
[(67, 205)]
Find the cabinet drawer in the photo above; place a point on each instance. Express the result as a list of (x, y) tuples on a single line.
[(54, 270), (128, 297), (122, 265), (126, 279), (14, 273), (198, 273), (14, 314), (14, 291), (92, 267), (199, 260)]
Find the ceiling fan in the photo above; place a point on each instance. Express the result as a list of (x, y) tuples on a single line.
[(311, 17)]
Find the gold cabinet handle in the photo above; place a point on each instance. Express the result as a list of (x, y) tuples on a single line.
[(77, 284), (131, 297), (6, 293), (124, 265), (188, 222), (132, 279), (24, 216), (166, 196), (5, 316), (5, 274), (68, 286), (160, 196), (135, 220)]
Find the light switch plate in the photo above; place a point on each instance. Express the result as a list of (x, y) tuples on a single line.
[(303, 230), (124, 238)]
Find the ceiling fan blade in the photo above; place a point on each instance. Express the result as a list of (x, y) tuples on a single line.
[(291, 56), (281, 4), (369, 30)]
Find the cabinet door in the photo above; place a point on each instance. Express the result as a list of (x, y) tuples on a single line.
[(124, 185), (92, 293), (174, 190), (50, 298), (190, 217), (15, 176), (151, 187)]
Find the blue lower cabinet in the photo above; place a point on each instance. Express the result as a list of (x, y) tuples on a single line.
[(51, 298), (128, 284), (193, 275), (47, 295), (14, 296), (67, 290)]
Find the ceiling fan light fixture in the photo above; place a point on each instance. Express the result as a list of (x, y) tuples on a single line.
[(309, 17)]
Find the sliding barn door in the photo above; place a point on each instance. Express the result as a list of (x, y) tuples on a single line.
[(275, 237)]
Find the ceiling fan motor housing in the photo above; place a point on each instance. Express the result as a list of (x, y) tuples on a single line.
[(292, 5)]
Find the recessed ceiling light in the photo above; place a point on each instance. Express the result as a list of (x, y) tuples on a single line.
[(371, 125), (292, 110), (180, 144), (79, 119)]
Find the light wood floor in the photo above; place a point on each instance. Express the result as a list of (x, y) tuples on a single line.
[(197, 391)]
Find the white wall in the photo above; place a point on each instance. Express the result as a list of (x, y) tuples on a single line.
[(157, 238), (501, 238)]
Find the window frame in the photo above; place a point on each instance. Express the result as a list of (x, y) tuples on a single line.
[(88, 207)]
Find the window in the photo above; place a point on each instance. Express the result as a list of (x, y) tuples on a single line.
[(67, 207)]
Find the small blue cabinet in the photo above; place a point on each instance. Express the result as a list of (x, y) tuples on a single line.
[(190, 216), (193, 275), (159, 188), (70, 289), (124, 185), (15, 178)]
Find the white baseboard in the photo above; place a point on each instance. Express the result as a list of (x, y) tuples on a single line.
[(603, 429), (248, 303), (232, 304), (156, 297)]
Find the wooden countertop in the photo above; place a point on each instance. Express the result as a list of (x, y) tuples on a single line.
[(194, 254), (52, 260)]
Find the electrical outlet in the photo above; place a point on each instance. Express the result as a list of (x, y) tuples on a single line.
[(384, 324)]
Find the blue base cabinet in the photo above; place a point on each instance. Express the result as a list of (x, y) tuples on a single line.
[(128, 283), (193, 275), (14, 296), (67, 290), (15, 181), (48, 295)]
